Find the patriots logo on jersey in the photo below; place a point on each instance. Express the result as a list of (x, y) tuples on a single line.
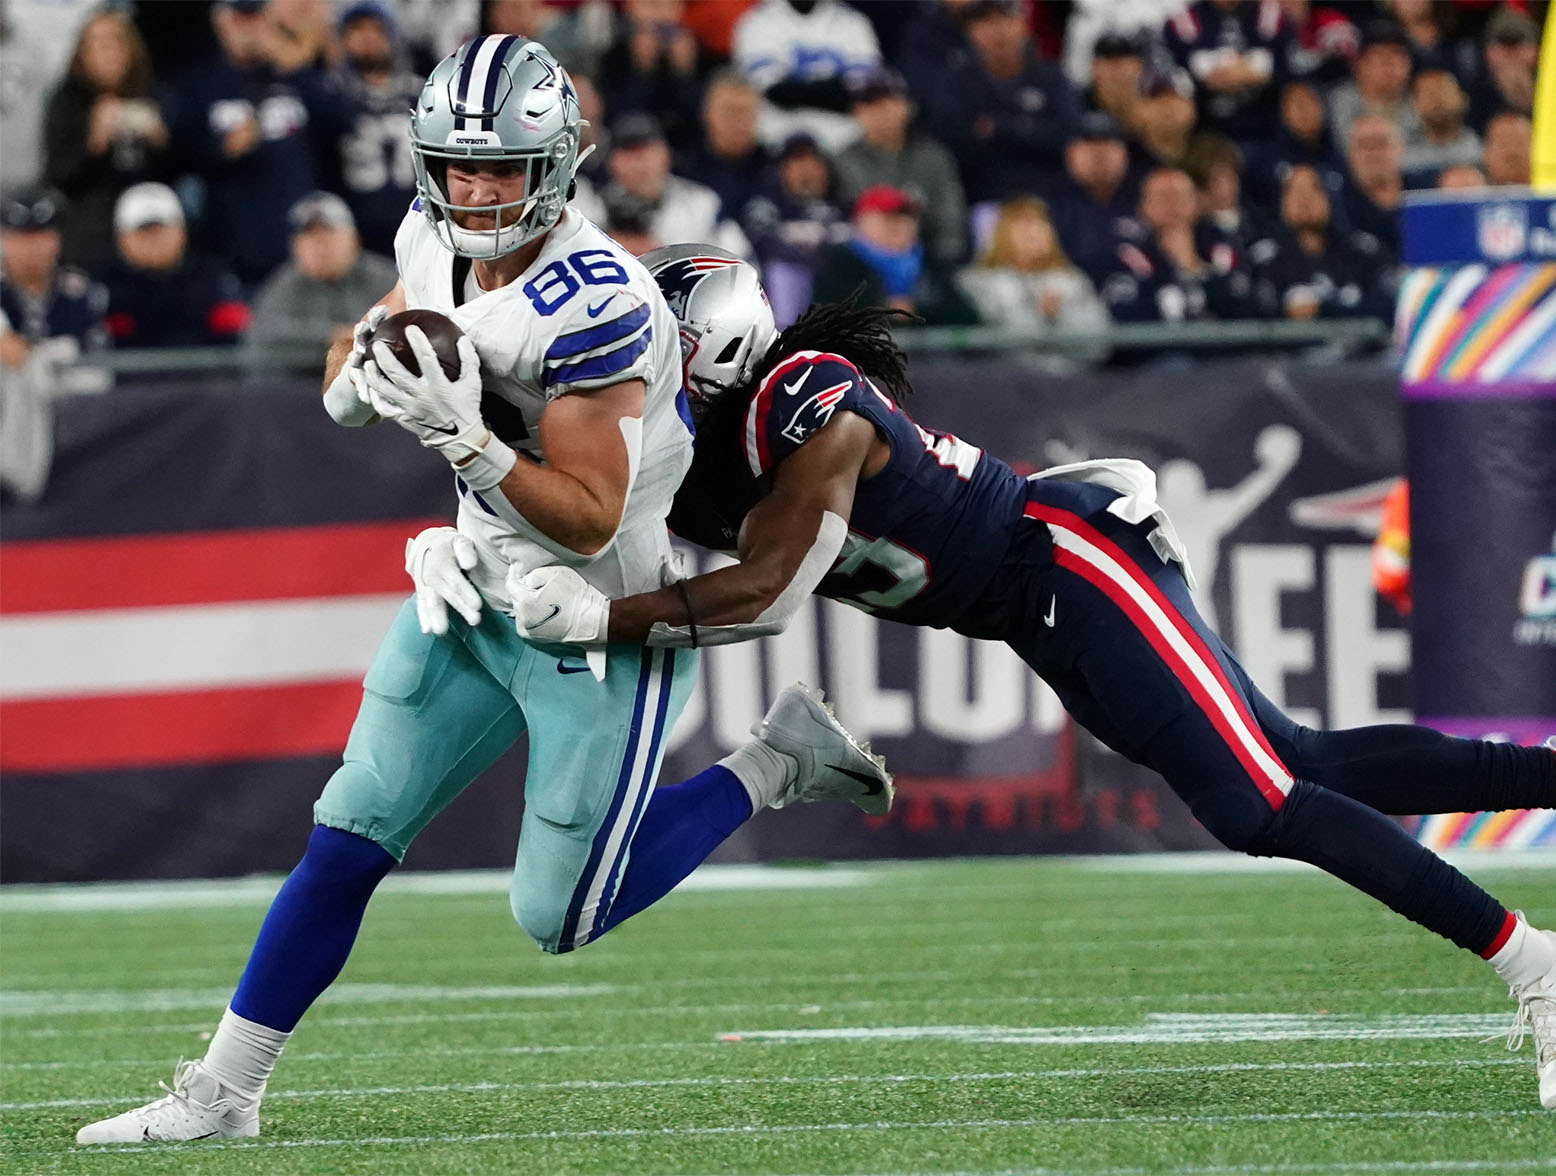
[(678, 279), (814, 413)]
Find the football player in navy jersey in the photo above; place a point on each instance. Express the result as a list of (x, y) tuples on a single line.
[(808, 468)]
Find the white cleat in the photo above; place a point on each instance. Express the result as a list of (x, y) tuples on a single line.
[(1537, 1018), (195, 1107), (833, 765)]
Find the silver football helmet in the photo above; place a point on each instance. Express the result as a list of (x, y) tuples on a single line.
[(498, 98), (725, 320)]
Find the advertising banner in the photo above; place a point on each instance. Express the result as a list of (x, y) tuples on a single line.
[(187, 611), (1477, 326)]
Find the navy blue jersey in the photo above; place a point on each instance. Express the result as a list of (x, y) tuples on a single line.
[(926, 535)]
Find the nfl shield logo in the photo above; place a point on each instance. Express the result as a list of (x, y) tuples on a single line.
[(1501, 230)]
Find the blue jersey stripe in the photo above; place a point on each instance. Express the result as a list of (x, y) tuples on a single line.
[(564, 347), (613, 879), (600, 366), (623, 784)]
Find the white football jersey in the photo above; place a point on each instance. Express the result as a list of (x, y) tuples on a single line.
[(584, 315)]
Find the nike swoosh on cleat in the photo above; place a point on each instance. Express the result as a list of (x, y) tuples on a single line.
[(595, 311), (872, 785)]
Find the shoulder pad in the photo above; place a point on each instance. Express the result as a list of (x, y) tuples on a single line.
[(794, 400)]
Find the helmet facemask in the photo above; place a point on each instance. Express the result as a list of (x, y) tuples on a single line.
[(497, 100)]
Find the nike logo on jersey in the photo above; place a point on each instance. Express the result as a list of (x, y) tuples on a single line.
[(1049, 619), (794, 388), (563, 668), (872, 784), (594, 311)]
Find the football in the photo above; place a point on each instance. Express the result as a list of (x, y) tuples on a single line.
[(441, 331)]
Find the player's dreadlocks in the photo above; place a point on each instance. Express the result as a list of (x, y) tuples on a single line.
[(860, 334)]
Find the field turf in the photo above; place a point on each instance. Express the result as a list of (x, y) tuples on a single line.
[(1005, 1016)]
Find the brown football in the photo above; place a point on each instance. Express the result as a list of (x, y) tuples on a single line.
[(441, 331)]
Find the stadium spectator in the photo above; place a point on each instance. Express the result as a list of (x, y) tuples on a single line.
[(1462, 177), (1023, 280), (1379, 83), (1434, 31), (1441, 139), (885, 258), (36, 42), (801, 55), (158, 295), (1308, 269), (244, 118), (373, 154), (1508, 149), (791, 221), (575, 35), (682, 209), (1138, 21), (890, 151), (730, 159), (1117, 64), (932, 45), (629, 221), (1164, 119), (1215, 164), (103, 131), (1005, 112), (713, 23), (1094, 197), (1301, 138), (1508, 62), (655, 65), (1236, 51), (1162, 274), (43, 301), (1374, 153), (315, 297), (594, 139), (1324, 41)]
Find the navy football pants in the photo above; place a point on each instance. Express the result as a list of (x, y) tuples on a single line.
[(1114, 631)]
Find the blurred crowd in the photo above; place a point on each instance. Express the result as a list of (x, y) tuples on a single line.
[(177, 177)]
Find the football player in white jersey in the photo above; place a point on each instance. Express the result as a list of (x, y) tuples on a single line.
[(568, 434)]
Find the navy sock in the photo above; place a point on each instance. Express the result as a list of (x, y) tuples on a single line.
[(1373, 854), (310, 927), (683, 824)]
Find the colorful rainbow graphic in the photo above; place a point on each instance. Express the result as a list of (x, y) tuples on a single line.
[(1478, 324), (1519, 829)]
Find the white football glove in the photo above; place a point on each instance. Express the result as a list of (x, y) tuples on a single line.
[(443, 414), (557, 604), (346, 397), (437, 560)]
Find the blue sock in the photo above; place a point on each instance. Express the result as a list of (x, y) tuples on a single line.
[(682, 824), (310, 927)]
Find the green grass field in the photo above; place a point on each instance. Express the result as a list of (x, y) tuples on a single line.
[(1006, 1016)]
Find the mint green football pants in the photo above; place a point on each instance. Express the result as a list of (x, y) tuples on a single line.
[(437, 711)]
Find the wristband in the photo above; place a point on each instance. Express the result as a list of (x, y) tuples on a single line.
[(489, 466)]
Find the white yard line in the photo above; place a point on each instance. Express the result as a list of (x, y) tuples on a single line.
[(149, 896), (811, 1128), (115, 896), (1166, 1029), (1382, 1166), (588, 1084), (44, 1003)]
